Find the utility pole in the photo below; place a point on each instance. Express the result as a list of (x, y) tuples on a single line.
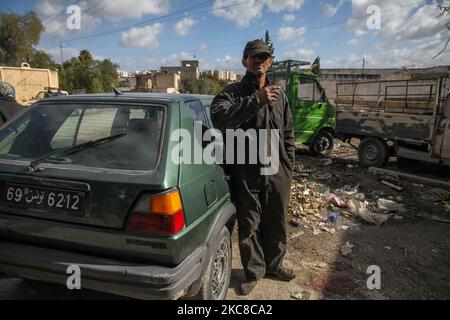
[(61, 50), (364, 64)]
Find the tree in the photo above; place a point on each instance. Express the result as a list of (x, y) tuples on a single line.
[(83, 72), (40, 59), (270, 43), (18, 35)]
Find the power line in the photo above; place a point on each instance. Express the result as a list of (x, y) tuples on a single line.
[(295, 31), (169, 17)]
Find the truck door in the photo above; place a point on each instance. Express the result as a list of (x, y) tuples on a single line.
[(308, 112)]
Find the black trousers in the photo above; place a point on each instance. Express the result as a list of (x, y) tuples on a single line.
[(261, 218)]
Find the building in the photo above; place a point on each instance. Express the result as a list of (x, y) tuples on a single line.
[(190, 69)]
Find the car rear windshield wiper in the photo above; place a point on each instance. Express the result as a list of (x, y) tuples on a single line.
[(72, 149)]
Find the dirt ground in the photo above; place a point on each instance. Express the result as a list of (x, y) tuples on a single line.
[(331, 258)]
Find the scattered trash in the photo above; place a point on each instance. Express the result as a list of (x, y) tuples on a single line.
[(346, 249), (334, 217), (297, 295), (387, 247), (435, 250), (326, 162), (393, 186), (360, 209), (296, 235), (396, 217), (344, 228), (322, 176), (446, 206), (392, 179), (398, 198), (337, 202), (350, 166), (296, 222), (330, 230), (387, 206), (316, 232)]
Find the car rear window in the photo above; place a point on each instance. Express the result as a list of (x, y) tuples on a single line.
[(47, 128)]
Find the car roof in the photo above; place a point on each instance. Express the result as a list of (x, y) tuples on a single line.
[(136, 96)]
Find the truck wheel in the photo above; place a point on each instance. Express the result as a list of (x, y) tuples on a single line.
[(323, 143), (216, 279), (372, 152)]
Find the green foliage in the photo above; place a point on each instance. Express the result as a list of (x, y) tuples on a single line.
[(207, 84), (40, 59), (18, 35), (84, 72), (270, 43)]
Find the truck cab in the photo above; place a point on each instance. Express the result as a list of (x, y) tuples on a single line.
[(314, 116)]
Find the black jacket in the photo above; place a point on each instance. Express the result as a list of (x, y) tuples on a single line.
[(237, 107), (8, 109)]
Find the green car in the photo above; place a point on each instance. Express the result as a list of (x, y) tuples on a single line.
[(90, 181)]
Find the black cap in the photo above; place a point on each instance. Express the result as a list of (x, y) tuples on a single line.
[(252, 48)]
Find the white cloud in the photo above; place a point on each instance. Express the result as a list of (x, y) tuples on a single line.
[(299, 54), (131, 9), (48, 8), (289, 17), (54, 16), (142, 37), (281, 5), (183, 26), (228, 63), (331, 9), (242, 13), (401, 20), (175, 58), (291, 34), (354, 41)]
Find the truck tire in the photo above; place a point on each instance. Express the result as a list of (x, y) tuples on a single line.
[(216, 279), (372, 152), (323, 143)]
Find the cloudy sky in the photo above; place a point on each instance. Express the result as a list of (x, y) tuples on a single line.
[(145, 34)]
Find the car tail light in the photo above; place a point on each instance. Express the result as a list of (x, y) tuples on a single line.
[(159, 213)]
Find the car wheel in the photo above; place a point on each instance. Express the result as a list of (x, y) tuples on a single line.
[(323, 143), (372, 152), (216, 279)]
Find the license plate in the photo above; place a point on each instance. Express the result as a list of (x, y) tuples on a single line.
[(44, 198)]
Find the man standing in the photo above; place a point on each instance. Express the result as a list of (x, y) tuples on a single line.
[(8, 105), (261, 200)]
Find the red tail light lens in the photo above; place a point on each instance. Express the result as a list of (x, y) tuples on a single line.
[(164, 214)]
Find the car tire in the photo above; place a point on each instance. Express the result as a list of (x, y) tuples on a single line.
[(323, 143), (216, 279), (372, 152)]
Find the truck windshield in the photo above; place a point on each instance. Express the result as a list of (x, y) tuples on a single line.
[(45, 129)]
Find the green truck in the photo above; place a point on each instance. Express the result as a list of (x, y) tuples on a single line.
[(314, 115)]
